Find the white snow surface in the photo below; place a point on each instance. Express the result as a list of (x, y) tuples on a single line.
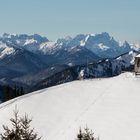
[(30, 41), (103, 47), (109, 106)]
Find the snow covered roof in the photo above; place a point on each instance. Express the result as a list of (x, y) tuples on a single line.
[(138, 55)]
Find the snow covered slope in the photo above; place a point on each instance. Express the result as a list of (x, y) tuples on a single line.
[(108, 106)]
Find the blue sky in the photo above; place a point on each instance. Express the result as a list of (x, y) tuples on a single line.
[(59, 18)]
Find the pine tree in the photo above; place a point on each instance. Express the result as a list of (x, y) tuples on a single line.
[(21, 91), (86, 135), (17, 92), (80, 135), (7, 93), (27, 133), (20, 129), (14, 133)]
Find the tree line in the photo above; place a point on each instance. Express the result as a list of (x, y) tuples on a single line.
[(9, 93)]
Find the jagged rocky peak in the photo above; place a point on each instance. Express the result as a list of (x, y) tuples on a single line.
[(87, 37), (6, 35), (101, 44), (6, 50), (102, 37), (64, 41), (24, 37)]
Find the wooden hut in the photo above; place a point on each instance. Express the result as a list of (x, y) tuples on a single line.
[(137, 65)]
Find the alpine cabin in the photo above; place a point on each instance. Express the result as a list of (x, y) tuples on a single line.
[(137, 65)]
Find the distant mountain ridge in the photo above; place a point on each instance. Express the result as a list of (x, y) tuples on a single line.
[(96, 43), (22, 56)]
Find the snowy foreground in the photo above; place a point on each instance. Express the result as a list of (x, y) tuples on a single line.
[(110, 107)]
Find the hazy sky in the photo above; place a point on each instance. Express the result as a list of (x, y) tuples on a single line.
[(59, 18)]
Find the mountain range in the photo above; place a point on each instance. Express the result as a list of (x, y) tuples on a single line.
[(29, 59)]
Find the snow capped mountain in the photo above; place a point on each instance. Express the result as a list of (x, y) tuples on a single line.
[(29, 54), (28, 42), (22, 38), (135, 47), (48, 47), (5, 50), (100, 44), (108, 106), (15, 62)]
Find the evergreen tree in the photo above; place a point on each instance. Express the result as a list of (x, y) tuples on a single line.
[(11, 92), (27, 133), (21, 91), (15, 132), (86, 135), (7, 93), (20, 129), (17, 92), (80, 135)]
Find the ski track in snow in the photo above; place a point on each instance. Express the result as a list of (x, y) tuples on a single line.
[(86, 109)]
